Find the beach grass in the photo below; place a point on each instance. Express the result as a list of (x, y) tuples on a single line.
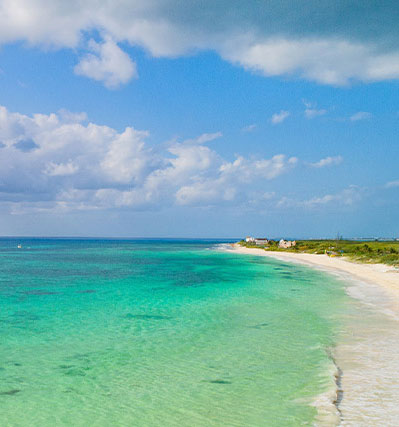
[(385, 252)]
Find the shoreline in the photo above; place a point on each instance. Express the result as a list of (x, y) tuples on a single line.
[(366, 357), (384, 276)]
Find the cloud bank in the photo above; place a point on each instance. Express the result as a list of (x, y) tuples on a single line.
[(327, 42), (57, 162)]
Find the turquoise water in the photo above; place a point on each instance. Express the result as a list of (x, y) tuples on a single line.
[(160, 333)]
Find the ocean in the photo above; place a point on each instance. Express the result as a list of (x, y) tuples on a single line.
[(162, 333)]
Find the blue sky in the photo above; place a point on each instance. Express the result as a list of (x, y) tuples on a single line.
[(152, 119)]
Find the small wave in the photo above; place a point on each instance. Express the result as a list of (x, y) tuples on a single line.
[(327, 403), (221, 247)]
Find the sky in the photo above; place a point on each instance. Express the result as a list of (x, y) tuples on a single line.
[(162, 118)]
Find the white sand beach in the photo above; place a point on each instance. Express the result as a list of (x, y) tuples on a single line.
[(385, 276), (367, 353)]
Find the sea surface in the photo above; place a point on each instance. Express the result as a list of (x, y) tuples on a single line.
[(161, 333)]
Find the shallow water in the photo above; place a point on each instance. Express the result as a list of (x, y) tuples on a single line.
[(161, 333)]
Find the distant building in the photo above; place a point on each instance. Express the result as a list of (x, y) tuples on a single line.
[(261, 241), (285, 244)]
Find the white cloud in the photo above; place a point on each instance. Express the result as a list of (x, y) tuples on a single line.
[(60, 169), (127, 158), (231, 177), (346, 197), (107, 63), (327, 161), (361, 115), (324, 60), (279, 117), (311, 111), (205, 137), (246, 170), (249, 128), (261, 37), (76, 166)]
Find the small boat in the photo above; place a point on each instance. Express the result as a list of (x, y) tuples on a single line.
[(19, 246)]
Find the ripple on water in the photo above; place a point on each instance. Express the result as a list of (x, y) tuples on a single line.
[(146, 317), (11, 392), (40, 292)]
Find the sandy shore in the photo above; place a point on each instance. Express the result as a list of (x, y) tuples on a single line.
[(367, 354)]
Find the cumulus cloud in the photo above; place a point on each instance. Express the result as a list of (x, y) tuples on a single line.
[(327, 161), (270, 38), (279, 117), (77, 166), (107, 63), (361, 115), (230, 177), (327, 61)]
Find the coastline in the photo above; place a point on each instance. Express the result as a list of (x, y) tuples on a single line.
[(366, 358), (384, 276)]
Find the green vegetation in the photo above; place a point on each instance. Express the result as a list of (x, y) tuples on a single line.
[(371, 251)]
